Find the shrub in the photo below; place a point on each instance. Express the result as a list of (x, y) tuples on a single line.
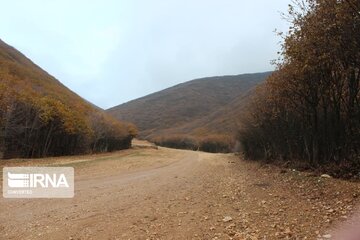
[(177, 141), (213, 144), (216, 144)]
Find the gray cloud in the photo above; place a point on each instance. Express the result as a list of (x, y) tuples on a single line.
[(113, 51)]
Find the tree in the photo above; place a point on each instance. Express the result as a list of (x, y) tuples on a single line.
[(309, 109)]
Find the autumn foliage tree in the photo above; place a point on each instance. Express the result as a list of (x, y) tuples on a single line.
[(309, 109), (40, 117)]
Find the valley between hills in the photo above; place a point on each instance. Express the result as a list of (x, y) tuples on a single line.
[(271, 155)]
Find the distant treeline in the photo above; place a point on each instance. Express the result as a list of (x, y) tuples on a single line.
[(39, 117), (309, 110), (213, 144)]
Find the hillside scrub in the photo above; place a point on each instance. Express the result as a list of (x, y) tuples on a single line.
[(309, 109), (213, 143), (177, 141), (110, 134), (216, 144), (39, 117)]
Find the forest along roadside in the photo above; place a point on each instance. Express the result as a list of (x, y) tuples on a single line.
[(160, 193)]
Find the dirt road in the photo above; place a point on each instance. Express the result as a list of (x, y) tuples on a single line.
[(147, 193)]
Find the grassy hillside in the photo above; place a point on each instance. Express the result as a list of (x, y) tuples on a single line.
[(198, 108), (223, 121), (41, 117)]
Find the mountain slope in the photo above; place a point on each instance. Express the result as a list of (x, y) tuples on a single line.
[(198, 107), (40, 117), (224, 121)]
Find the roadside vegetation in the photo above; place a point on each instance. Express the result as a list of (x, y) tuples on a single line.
[(211, 143), (308, 111), (40, 117)]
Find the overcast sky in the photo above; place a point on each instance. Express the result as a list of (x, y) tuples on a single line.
[(112, 51)]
